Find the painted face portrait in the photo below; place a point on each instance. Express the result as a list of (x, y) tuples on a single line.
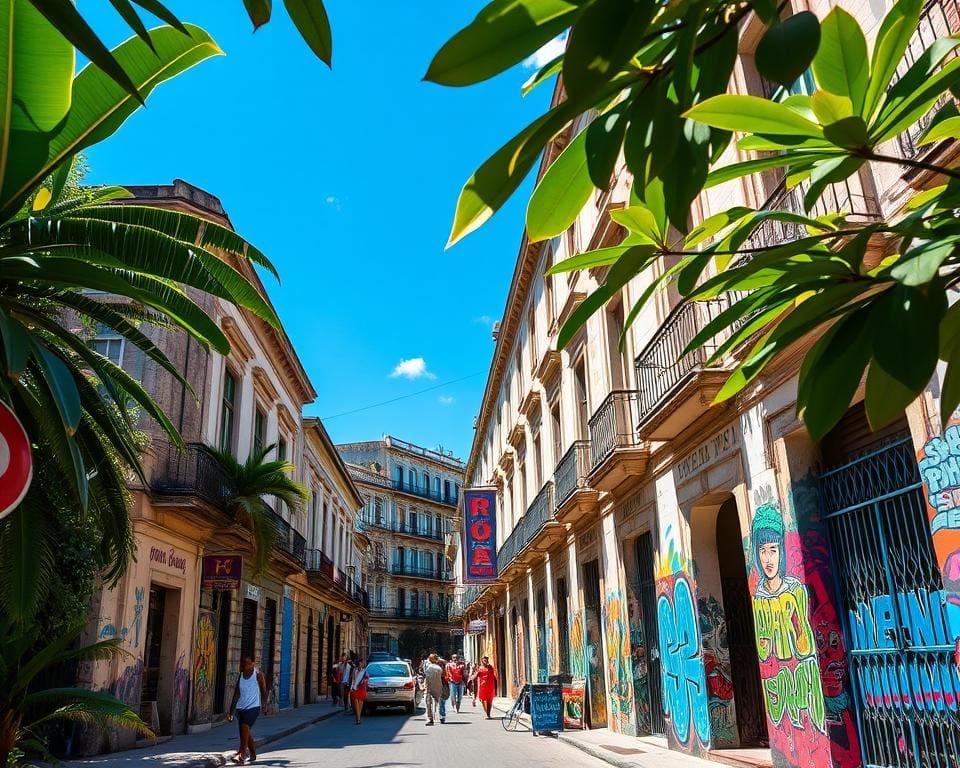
[(830, 650), (769, 556)]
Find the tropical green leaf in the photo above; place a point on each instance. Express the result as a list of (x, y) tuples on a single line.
[(601, 257), (64, 16), (892, 39), (886, 398), (946, 129), (920, 264), (751, 114), (259, 12), (59, 380), (904, 108), (786, 49), (159, 10), (502, 34), (605, 37), (841, 66), (604, 137), (311, 20), (905, 329), (561, 192), (100, 106), (541, 76), (129, 14)]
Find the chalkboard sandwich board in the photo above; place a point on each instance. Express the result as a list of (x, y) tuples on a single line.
[(546, 707)]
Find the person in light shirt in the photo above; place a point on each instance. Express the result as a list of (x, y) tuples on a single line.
[(249, 695)]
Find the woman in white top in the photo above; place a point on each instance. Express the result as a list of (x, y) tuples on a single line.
[(249, 696)]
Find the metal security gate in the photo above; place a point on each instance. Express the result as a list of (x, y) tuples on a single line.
[(902, 670), (286, 653), (647, 684)]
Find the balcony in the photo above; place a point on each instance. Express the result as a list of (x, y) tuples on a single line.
[(536, 531), (322, 572), (405, 486), (616, 452), (440, 613), (575, 497), (847, 196), (192, 472), (939, 18), (418, 531), (418, 572), (676, 388), (289, 540)]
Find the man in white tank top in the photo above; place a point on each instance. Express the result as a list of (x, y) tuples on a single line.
[(249, 696)]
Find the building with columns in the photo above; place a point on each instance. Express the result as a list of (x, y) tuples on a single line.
[(410, 499), (184, 630), (716, 580)]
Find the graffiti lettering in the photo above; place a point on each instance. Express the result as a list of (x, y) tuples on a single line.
[(708, 453), (783, 630), (796, 690), (874, 625), (684, 686), (169, 558)]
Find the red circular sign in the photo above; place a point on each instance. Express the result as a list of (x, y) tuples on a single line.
[(16, 461)]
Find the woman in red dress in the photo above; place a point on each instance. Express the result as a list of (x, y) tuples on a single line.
[(486, 682), (359, 689)]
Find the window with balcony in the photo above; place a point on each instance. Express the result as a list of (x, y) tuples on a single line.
[(436, 486), (557, 430), (580, 394), (537, 459), (399, 474), (282, 448), (426, 483), (378, 510), (532, 334), (619, 358), (228, 409)]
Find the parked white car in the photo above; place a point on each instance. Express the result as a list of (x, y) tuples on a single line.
[(391, 684)]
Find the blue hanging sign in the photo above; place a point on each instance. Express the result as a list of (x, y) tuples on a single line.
[(480, 534)]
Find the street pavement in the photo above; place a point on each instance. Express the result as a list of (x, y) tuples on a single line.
[(319, 735)]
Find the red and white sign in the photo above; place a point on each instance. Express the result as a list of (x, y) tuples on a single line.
[(16, 461)]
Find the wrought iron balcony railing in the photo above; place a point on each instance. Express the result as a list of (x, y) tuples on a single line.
[(939, 18), (289, 540), (401, 612), (538, 514), (317, 562), (614, 425), (572, 470), (418, 572), (192, 472), (410, 530), (662, 365)]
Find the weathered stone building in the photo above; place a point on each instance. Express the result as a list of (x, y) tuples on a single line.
[(187, 609), (719, 582), (410, 500)]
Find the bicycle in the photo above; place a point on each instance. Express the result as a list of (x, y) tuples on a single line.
[(511, 720)]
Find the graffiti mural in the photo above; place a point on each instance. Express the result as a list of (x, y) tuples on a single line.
[(596, 685), (204, 669), (128, 687), (786, 643), (551, 648), (618, 666), (939, 463), (578, 647), (181, 693), (137, 615), (639, 666), (716, 667), (685, 699)]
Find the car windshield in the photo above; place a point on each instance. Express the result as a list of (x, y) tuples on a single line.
[(397, 669)]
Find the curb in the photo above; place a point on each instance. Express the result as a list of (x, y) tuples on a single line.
[(595, 751), (223, 758)]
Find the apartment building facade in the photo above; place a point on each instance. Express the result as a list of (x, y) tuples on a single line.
[(192, 604), (717, 579), (410, 500)]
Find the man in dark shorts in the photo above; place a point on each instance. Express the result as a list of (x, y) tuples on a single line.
[(249, 696)]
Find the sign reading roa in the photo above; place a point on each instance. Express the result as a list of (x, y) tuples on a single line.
[(480, 533), (16, 461)]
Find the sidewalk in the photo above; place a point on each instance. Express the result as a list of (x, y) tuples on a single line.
[(641, 752), (213, 747)]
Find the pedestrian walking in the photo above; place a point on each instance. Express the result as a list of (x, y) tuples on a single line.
[(249, 695), (336, 676), (346, 681), (485, 678), (456, 670), (433, 674), (359, 689)]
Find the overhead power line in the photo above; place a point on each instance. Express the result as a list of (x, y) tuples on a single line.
[(402, 397)]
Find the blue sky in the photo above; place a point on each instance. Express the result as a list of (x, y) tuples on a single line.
[(348, 180)]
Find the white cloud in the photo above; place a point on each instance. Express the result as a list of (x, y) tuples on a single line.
[(414, 368), (483, 320), (446, 400), (548, 53), (331, 199)]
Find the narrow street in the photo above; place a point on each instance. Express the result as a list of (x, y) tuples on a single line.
[(391, 738)]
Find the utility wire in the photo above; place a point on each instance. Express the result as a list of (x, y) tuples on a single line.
[(402, 397)]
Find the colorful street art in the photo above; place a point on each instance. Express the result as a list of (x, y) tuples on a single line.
[(639, 665), (204, 668), (685, 700), (551, 648), (578, 646), (128, 687), (716, 666), (596, 685), (181, 693), (786, 644), (939, 463), (618, 666)]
